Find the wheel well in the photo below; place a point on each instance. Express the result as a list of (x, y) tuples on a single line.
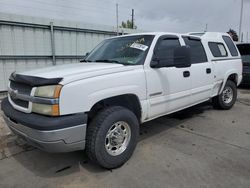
[(234, 78), (129, 101)]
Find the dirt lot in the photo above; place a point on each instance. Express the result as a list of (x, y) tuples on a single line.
[(198, 147)]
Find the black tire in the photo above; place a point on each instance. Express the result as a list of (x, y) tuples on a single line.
[(96, 136), (218, 101)]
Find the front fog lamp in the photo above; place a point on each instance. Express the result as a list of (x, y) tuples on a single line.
[(51, 110), (52, 91)]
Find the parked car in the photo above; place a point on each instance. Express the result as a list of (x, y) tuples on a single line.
[(244, 49), (125, 81)]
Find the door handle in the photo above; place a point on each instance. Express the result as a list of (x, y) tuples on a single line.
[(208, 70), (186, 73)]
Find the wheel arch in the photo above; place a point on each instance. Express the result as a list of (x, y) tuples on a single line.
[(129, 101), (233, 76)]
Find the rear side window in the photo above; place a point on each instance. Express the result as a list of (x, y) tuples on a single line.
[(230, 45), (217, 49), (198, 54)]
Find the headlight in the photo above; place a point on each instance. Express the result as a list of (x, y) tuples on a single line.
[(46, 109), (52, 91)]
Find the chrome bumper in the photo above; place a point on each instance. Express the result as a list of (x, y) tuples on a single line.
[(60, 140)]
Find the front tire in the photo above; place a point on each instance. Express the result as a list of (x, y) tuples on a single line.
[(112, 137), (227, 98)]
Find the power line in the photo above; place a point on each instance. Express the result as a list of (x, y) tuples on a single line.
[(81, 8), (60, 9), (86, 8), (124, 8), (59, 14)]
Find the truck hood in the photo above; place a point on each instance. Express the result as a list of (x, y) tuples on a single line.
[(76, 71)]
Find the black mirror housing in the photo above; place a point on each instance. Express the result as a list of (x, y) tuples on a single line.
[(182, 57), (85, 56), (155, 63)]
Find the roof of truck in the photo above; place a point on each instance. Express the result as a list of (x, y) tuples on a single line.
[(203, 35), (209, 35), (149, 33)]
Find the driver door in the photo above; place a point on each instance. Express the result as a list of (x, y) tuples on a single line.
[(168, 88)]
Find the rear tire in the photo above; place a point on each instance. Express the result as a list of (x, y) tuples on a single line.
[(112, 137), (227, 98)]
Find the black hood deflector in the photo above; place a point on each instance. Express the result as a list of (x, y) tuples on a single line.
[(33, 80)]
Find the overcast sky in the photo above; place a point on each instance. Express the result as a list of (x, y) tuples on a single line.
[(150, 15)]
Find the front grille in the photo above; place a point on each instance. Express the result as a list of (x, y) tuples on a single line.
[(21, 89), (19, 102)]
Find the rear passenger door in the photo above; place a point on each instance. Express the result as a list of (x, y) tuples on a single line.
[(201, 71)]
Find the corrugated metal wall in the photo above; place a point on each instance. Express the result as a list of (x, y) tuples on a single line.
[(28, 42)]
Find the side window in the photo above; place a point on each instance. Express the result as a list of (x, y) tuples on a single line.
[(198, 54), (230, 45), (217, 49), (164, 51)]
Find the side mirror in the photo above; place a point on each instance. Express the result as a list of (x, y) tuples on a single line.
[(86, 55), (182, 57), (155, 63)]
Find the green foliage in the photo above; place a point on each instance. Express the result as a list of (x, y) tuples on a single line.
[(233, 34), (128, 25)]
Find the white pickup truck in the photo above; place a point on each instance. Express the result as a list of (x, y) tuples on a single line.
[(98, 104)]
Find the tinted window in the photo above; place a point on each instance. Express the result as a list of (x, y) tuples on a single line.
[(217, 49), (198, 54), (246, 59), (165, 50), (244, 50), (230, 45)]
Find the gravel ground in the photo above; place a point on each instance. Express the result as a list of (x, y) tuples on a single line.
[(197, 147), (10, 144)]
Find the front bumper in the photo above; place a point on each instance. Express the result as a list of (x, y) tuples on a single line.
[(51, 134)]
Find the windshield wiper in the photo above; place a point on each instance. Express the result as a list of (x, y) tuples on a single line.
[(108, 61), (85, 60), (112, 61)]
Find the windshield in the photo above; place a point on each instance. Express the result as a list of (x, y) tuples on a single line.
[(128, 50)]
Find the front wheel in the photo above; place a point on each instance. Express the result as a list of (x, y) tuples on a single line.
[(227, 98), (112, 137)]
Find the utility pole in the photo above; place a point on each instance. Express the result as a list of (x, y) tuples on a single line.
[(247, 37), (206, 28), (241, 15), (132, 18), (117, 22)]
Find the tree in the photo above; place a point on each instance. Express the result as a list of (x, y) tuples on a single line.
[(128, 25), (233, 35)]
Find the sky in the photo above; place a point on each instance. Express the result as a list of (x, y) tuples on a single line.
[(150, 15)]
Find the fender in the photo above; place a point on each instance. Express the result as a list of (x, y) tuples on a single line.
[(96, 97)]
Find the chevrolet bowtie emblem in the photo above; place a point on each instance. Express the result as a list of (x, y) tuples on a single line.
[(13, 94)]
